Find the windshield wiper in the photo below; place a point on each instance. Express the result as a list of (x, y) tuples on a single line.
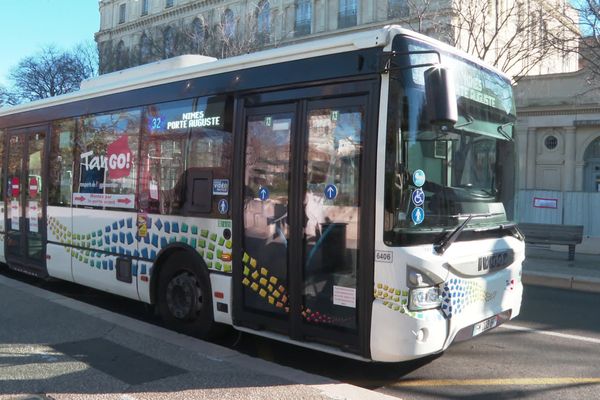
[(445, 241)]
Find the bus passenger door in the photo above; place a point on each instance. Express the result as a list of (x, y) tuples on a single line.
[(302, 218), (334, 135), (26, 215), (264, 294)]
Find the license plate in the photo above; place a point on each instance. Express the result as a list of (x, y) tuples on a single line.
[(485, 325)]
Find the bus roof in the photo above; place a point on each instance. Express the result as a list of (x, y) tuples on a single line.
[(194, 66)]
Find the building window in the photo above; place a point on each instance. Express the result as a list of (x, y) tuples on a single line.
[(197, 35), (591, 156), (169, 3), (169, 41), (145, 49), (122, 13), (303, 17), (398, 9), (347, 13), (122, 57), (228, 24), (551, 142), (263, 21), (144, 7)]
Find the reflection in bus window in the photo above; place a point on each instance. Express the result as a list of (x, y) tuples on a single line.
[(180, 136), (266, 185), (332, 214), (61, 167)]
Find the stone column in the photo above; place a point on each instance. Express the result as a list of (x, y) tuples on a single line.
[(579, 171), (531, 157), (520, 137), (365, 12), (332, 15), (568, 172)]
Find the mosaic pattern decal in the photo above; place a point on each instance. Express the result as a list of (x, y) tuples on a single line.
[(264, 284), (267, 286), (397, 300), (120, 236), (458, 294)]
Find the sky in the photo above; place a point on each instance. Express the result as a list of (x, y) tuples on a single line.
[(26, 26)]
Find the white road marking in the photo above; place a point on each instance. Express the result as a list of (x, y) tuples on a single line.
[(549, 333), (496, 382)]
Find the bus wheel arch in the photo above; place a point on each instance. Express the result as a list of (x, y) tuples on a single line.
[(181, 291)]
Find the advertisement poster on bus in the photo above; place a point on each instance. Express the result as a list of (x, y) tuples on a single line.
[(104, 200), (105, 176)]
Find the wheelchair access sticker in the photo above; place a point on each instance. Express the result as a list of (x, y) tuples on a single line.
[(418, 197)]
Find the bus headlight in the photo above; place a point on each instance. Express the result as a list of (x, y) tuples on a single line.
[(424, 298)]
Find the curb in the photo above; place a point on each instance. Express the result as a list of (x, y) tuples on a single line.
[(562, 281), (326, 386)]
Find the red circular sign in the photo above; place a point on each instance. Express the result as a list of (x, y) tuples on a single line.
[(33, 187)]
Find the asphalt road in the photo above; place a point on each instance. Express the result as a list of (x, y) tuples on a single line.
[(551, 351)]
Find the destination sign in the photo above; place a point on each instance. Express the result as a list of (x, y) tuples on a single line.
[(473, 82), (194, 120)]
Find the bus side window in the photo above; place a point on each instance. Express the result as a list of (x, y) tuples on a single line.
[(60, 186), (186, 144), (164, 139)]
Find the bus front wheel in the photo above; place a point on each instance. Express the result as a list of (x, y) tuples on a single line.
[(184, 297)]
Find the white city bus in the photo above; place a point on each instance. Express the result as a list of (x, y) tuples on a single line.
[(351, 194)]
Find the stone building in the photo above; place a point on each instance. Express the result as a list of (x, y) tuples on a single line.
[(558, 137), (134, 32), (559, 132)]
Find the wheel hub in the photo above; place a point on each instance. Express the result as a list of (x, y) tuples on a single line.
[(184, 297)]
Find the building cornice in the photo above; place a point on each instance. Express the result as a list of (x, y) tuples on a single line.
[(524, 112), (154, 19)]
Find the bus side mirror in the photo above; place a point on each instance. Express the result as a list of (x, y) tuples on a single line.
[(440, 96)]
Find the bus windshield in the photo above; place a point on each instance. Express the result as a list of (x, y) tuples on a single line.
[(438, 176)]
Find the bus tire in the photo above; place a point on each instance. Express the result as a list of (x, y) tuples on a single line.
[(184, 297)]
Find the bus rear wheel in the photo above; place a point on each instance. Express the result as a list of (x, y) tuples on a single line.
[(184, 298)]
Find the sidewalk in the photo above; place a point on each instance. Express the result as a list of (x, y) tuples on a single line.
[(544, 267), (53, 347)]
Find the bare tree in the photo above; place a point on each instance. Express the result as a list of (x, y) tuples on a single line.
[(423, 16), (233, 35), (588, 45), (515, 36), (51, 72), (86, 54), (7, 98)]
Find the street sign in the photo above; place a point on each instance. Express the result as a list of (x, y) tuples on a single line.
[(331, 192), (263, 193), (418, 178), (418, 197), (418, 215)]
